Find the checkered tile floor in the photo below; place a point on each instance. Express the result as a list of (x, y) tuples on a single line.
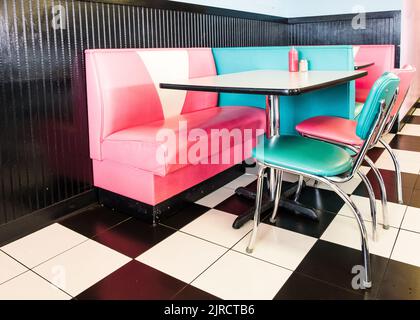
[(195, 254)]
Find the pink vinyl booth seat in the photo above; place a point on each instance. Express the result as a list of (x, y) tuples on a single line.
[(384, 58), (128, 111)]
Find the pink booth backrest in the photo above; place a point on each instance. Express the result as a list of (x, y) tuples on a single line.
[(123, 88), (406, 75), (384, 58)]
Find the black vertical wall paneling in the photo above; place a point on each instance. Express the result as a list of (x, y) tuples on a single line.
[(381, 28), (44, 152)]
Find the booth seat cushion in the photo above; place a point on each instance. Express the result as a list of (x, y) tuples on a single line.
[(384, 58), (304, 155), (334, 129), (123, 88), (147, 146)]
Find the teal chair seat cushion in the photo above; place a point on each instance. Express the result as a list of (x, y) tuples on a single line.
[(304, 155)]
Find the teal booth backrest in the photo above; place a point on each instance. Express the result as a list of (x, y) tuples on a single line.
[(384, 89), (337, 101)]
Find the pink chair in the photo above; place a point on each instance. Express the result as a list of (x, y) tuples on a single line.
[(129, 116), (343, 132)]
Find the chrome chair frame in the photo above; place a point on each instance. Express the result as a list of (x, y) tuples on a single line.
[(367, 282), (391, 152), (377, 134), (332, 182)]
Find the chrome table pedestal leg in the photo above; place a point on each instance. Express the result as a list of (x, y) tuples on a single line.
[(273, 130)]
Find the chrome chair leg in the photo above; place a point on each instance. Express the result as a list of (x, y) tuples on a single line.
[(397, 170), (384, 197), (367, 282), (258, 203), (372, 201), (272, 183), (299, 189), (278, 195)]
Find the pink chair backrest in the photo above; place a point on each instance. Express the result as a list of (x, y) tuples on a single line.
[(406, 75), (384, 58), (123, 88)]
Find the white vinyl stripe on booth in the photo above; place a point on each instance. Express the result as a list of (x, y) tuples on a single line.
[(166, 66)]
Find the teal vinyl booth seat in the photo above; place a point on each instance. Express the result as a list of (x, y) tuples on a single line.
[(325, 162), (337, 101)]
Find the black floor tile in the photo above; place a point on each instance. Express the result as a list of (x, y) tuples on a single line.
[(238, 205), (408, 143), (374, 154), (134, 281), (415, 199), (134, 237), (235, 205), (412, 119), (93, 221), (192, 293), (401, 282), (321, 199), (333, 264), (253, 186), (181, 218), (301, 287), (408, 179), (296, 223)]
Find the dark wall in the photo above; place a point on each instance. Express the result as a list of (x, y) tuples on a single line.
[(44, 156), (381, 28)]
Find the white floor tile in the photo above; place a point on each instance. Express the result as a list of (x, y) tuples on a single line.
[(388, 138), (411, 130), (81, 267), (345, 231), (242, 181), (216, 226), (238, 277), (416, 113), (44, 244), (9, 268), (182, 256), (407, 248), (279, 246), (396, 211), (409, 161), (30, 286), (412, 220), (217, 197)]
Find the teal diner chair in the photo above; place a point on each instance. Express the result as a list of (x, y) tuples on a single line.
[(325, 162)]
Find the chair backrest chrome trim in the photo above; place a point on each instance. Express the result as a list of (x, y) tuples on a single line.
[(376, 113)]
